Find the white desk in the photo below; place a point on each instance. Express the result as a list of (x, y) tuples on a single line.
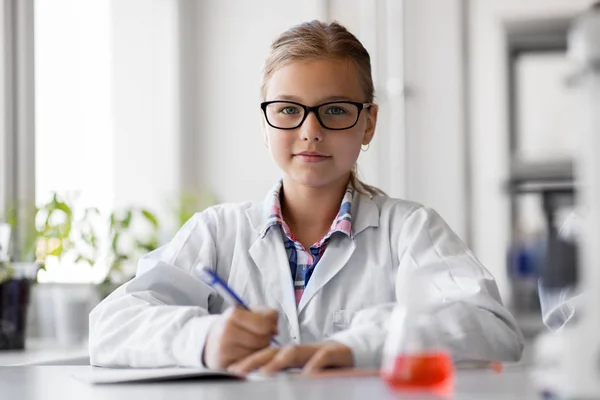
[(56, 383), (40, 352)]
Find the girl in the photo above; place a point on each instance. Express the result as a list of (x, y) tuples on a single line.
[(324, 253)]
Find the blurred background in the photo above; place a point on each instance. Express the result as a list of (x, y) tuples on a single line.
[(120, 118)]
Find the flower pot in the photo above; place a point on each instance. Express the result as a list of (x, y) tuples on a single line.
[(62, 312), (72, 306), (14, 305)]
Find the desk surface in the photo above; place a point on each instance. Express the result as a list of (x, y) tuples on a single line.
[(56, 383), (45, 352)]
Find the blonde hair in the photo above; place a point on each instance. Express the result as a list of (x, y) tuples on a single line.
[(316, 40)]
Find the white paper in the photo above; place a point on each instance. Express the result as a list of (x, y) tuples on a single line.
[(97, 375)]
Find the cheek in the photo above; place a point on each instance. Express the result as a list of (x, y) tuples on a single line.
[(279, 143), (348, 146), (349, 155)]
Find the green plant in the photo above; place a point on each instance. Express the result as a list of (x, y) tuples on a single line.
[(51, 234), (28, 252), (59, 230), (125, 244), (88, 243), (54, 223), (6, 272), (87, 235)]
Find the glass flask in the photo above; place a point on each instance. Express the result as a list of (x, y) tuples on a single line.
[(414, 359)]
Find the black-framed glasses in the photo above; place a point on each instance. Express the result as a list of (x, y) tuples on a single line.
[(334, 115)]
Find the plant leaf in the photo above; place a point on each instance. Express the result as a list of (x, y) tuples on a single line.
[(64, 207), (127, 219), (115, 243), (150, 217), (57, 251)]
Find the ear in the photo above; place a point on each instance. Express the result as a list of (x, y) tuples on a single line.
[(372, 113)]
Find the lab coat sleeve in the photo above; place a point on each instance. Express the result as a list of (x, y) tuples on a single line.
[(161, 317), (469, 319)]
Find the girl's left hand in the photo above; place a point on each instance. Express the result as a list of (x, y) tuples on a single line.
[(311, 358)]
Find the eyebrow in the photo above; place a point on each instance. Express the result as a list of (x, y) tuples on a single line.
[(320, 101)]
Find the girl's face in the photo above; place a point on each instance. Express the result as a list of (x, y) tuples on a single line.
[(312, 155)]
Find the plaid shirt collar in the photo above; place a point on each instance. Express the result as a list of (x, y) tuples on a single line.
[(342, 222)]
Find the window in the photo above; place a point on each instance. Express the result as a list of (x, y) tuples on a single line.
[(73, 102)]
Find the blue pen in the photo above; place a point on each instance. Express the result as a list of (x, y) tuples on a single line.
[(211, 278)]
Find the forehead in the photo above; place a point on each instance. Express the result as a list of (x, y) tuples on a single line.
[(313, 81)]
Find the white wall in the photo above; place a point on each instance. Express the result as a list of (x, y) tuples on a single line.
[(435, 120), (489, 123), (146, 92)]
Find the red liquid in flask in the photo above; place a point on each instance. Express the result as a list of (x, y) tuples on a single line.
[(431, 372)]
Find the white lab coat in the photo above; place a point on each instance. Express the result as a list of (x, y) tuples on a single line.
[(162, 316)]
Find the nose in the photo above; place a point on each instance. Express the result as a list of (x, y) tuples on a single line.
[(311, 130)]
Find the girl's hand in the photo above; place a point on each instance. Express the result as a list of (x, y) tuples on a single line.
[(311, 358), (237, 335)]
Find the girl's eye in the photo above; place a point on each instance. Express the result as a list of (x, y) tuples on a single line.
[(289, 110), (335, 110)]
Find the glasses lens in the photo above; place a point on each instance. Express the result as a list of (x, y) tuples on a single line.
[(284, 115), (338, 115)]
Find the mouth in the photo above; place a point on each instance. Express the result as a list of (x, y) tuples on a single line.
[(312, 156)]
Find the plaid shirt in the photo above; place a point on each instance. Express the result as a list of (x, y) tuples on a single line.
[(303, 261)]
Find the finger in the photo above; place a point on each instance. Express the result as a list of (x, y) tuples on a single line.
[(323, 358), (254, 361), (254, 322), (289, 357), (229, 352), (234, 335), (328, 356), (233, 354)]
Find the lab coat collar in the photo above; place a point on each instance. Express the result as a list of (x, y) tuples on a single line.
[(342, 222), (269, 254), (365, 214)]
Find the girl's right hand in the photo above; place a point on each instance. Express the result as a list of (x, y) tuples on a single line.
[(237, 335)]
